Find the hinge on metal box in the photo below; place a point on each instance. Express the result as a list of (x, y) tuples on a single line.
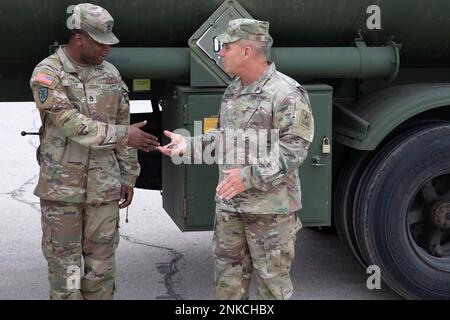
[(184, 209)]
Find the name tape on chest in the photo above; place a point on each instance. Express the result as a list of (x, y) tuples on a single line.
[(78, 86), (114, 86)]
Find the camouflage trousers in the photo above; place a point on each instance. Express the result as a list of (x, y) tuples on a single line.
[(74, 230), (261, 242)]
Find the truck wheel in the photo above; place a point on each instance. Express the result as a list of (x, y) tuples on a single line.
[(403, 206), (343, 199), (354, 170)]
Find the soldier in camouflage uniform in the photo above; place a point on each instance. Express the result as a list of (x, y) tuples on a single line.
[(256, 202), (88, 166)]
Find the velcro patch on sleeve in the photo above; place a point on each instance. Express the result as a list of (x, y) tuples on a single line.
[(303, 125), (43, 94), (44, 78), (305, 118)]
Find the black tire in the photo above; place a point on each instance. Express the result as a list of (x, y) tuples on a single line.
[(355, 169), (368, 166), (343, 199), (389, 195)]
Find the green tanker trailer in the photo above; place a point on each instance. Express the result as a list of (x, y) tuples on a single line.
[(378, 77)]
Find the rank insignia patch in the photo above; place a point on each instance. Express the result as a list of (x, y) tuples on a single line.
[(43, 94)]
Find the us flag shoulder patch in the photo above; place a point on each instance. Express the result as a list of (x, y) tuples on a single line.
[(44, 78)]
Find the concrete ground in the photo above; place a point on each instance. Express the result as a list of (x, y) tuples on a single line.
[(155, 259)]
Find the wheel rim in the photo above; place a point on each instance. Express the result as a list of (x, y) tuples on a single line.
[(429, 221)]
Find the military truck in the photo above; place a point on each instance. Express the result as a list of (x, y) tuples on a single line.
[(377, 73)]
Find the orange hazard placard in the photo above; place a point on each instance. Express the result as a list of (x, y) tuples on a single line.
[(209, 124)]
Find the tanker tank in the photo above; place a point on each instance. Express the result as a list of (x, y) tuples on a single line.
[(421, 26)]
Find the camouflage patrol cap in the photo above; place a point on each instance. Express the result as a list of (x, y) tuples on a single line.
[(249, 29), (95, 20)]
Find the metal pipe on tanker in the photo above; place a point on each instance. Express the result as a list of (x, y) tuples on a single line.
[(302, 62), (336, 62), (153, 63)]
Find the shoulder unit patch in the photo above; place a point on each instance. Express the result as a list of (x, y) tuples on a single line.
[(43, 94)]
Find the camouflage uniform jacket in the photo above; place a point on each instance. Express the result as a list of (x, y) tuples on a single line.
[(85, 115), (274, 101)]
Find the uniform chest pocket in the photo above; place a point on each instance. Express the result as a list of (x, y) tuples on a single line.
[(74, 89), (106, 94), (256, 115), (228, 116)]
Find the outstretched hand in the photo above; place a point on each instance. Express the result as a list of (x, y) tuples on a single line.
[(140, 139), (176, 146)]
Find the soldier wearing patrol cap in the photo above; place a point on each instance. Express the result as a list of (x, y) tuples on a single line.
[(256, 200), (88, 157)]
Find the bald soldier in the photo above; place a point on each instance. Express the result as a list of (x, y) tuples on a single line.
[(256, 199), (88, 157)]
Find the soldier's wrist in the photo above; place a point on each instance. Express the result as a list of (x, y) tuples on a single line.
[(122, 134), (128, 181), (246, 176)]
